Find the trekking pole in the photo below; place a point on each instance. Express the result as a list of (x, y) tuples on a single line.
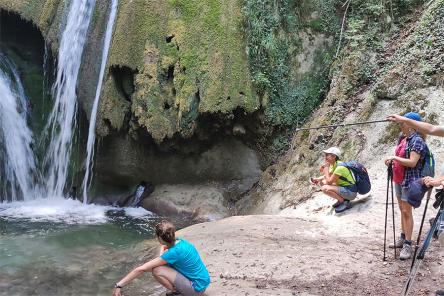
[(429, 192), (338, 125), (393, 206), (415, 266), (386, 209)]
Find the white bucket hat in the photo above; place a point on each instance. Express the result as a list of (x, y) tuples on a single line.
[(333, 150)]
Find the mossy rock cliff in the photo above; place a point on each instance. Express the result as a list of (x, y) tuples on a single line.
[(173, 60)]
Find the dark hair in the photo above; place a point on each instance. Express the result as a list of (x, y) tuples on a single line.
[(166, 231)]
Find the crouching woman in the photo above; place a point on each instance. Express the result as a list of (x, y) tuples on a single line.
[(178, 268), (337, 181)]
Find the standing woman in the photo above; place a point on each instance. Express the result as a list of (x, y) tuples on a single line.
[(413, 160), (398, 177)]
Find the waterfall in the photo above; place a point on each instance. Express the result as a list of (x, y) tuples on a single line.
[(62, 120), (18, 179), (92, 120)]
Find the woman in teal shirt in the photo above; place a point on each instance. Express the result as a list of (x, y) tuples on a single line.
[(178, 268)]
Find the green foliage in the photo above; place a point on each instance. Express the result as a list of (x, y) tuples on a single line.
[(272, 35), (328, 16), (368, 20)]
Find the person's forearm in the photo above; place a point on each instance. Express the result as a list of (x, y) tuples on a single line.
[(328, 177), (147, 267), (425, 128), (130, 276), (410, 163)]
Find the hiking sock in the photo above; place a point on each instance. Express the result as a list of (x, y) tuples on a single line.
[(408, 242), (403, 236)]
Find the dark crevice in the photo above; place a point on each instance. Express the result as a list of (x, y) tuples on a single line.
[(166, 106), (170, 73), (169, 38), (124, 80), (197, 96)]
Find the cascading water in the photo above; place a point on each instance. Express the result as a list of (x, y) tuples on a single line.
[(19, 177), (62, 118), (92, 121)]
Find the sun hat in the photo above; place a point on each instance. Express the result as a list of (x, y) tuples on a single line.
[(413, 116), (333, 150)]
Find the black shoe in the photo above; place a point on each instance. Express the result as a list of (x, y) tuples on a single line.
[(343, 206), (336, 204), (172, 293)]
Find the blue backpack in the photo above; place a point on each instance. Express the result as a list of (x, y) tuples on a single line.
[(360, 174), (428, 163), (428, 168)]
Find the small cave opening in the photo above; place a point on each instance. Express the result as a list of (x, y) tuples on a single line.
[(166, 106), (123, 77), (169, 38), (22, 42), (170, 73), (21, 38)]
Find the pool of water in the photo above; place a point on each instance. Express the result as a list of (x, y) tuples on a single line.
[(66, 248)]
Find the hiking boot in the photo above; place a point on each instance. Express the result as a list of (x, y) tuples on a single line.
[(440, 293), (343, 206), (172, 293), (406, 252), (398, 244), (336, 204)]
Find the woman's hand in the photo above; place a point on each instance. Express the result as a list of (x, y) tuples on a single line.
[(117, 292), (388, 160), (316, 181), (432, 182)]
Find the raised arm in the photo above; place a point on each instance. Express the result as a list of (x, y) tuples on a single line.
[(330, 178), (422, 127)]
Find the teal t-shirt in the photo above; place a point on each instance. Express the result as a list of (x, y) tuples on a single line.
[(185, 259)]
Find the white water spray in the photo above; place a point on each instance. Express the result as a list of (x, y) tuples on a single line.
[(93, 118), (19, 178), (62, 120)]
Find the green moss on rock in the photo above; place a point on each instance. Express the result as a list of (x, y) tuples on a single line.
[(190, 59)]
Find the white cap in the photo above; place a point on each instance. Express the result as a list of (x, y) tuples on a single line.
[(333, 150)]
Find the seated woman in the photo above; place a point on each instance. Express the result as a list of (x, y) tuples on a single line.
[(337, 181), (178, 268)]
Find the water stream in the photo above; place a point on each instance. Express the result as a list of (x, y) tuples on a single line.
[(50, 245), (93, 117), (18, 173), (62, 120)]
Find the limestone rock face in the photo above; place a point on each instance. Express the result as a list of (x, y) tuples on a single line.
[(173, 60)]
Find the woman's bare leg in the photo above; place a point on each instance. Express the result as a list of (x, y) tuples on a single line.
[(402, 220), (407, 216), (165, 276), (332, 191)]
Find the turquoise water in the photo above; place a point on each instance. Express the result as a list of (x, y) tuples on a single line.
[(52, 257)]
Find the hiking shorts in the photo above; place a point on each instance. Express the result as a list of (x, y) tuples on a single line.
[(185, 286), (346, 193), (400, 192)]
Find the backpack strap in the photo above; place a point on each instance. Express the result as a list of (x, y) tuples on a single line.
[(351, 173)]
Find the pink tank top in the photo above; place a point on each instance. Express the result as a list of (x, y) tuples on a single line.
[(398, 169)]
